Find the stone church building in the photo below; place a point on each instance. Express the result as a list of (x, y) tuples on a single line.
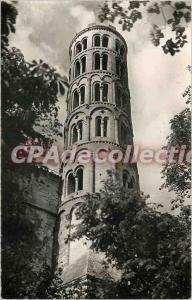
[(98, 117)]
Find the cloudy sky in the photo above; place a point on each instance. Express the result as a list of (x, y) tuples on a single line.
[(44, 30)]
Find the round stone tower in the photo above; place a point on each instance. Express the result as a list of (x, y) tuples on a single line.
[(98, 122)]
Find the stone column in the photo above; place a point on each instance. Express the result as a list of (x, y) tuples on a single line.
[(101, 92), (113, 92), (76, 183), (88, 96), (78, 134), (102, 127), (88, 128), (101, 59), (116, 130)]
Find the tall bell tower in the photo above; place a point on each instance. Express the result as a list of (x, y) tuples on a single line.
[(98, 120)]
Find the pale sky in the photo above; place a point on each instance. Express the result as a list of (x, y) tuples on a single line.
[(44, 30)]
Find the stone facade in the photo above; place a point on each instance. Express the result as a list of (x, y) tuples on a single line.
[(41, 190), (99, 115)]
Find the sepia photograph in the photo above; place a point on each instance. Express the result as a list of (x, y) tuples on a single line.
[(95, 149)]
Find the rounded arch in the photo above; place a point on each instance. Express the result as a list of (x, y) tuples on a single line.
[(96, 61), (104, 61), (83, 64), (77, 68), (74, 134), (96, 40), (106, 78), (82, 94), (102, 122), (78, 48), (96, 77), (76, 131), (105, 40), (78, 82), (79, 153), (102, 107), (84, 43), (96, 91), (79, 173), (98, 120), (70, 182), (75, 99), (105, 126), (105, 92), (74, 117)]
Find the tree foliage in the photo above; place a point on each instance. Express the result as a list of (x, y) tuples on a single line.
[(152, 248), (177, 174), (23, 268), (29, 111), (8, 21), (29, 90), (176, 15)]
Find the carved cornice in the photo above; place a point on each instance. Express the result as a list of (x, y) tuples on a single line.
[(95, 72), (98, 27), (83, 143), (95, 105), (99, 49)]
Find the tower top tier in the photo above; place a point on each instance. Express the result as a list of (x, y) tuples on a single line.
[(98, 26)]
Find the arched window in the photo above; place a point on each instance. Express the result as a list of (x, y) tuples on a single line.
[(69, 74), (70, 184), (79, 175), (117, 66), (97, 91), (104, 61), (77, 69), (105, 121), (98, 126), (75, 99), (77, 132), (82, 93), (78, 48), (74, 134), (105, 41), (105, 92), (80, 130), (84, 43), (83, 62), (117, 46), (97, 61), (96, 42)]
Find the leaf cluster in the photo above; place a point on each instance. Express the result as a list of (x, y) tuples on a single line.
[(128, 14), (177, 174), (151, 248)]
